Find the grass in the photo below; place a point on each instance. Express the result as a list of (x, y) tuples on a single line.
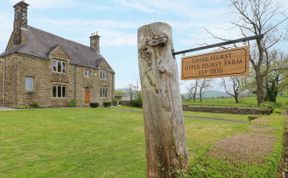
[(282, 102), (107, 142)]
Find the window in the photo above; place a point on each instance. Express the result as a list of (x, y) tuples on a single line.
[(59, 66), (103, 92), (88, 73), (29, 83), (104, 74), (59, 91)]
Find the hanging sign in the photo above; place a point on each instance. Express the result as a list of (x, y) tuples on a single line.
[(231, 62)]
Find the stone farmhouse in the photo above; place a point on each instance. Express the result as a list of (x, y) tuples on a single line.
[(40, 67)]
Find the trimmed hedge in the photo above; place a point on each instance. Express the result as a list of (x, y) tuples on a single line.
[(94, 105), (107, 104)]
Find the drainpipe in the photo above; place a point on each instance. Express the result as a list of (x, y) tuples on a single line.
[(3, 66), (75, 83), (113, 86)]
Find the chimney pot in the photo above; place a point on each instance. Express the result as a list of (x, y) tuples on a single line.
[(95, 41)]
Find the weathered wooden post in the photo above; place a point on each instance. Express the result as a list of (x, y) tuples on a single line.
[(166, 150)]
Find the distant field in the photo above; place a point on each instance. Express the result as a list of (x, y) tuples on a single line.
[(109, 142), (282, 102)]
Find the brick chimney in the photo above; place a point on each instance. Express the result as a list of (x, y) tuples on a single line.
[(20, 20), (95, 41)]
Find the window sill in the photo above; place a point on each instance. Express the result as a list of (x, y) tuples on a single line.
[(58, 73), (30, 92)]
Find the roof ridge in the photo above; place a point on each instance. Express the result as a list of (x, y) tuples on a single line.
[(63, 38)]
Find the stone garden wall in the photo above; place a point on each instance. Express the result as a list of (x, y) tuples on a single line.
[(229, 110)]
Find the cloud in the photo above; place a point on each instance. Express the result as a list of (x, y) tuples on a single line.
[(46, 4), (112, 32), (137, 5), (6, 29), (184, 8)]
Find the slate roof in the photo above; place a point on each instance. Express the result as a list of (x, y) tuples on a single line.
[(40, 43)]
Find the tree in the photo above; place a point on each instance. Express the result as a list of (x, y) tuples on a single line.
[(203, 84), (275, 80), (192, 90), (256, 17), (236, 87), (135, 95), (132, 90)]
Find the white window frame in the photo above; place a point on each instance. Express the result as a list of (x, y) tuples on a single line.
[(30, 87), (58, 64), (88, 73), (103, 92), (61, 91), (103, 74)]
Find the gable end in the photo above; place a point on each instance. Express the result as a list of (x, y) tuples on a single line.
[(59, 53)]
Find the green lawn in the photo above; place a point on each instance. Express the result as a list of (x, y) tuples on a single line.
[(282, 102), (106, 142)]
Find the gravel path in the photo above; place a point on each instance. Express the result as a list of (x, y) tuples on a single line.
[(6, 109)]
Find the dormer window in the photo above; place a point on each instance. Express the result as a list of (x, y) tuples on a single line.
[(103, 74), (88, 73), (59, 66)]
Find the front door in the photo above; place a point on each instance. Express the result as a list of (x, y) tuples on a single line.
[(87, 96)]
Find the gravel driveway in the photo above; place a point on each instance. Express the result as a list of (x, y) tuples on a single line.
[(6, 109)]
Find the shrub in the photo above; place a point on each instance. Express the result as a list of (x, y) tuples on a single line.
[(114, 102), (34, 105), (94, 105), (136, 103), (107, 104), (72, 103)]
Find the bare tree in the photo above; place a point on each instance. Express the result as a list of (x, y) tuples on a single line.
[(192, 90), (260, 17), (236, 86), (203, 84), (132, 90)]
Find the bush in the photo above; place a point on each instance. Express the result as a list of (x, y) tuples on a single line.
[(34, 105), (114, 102), (107, 104), (72, 103), (94, 105), (136, 103)]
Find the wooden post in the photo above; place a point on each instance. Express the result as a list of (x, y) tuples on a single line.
[(166, 150)]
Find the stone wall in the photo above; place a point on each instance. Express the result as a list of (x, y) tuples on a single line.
[(19, 66), (10, 79), (229, 110)]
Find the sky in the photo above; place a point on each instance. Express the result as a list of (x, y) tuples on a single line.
[(117, 21)]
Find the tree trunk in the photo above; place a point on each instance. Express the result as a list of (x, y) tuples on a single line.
[(194, 96), (236, 97), (166, 150), (260, 88)]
